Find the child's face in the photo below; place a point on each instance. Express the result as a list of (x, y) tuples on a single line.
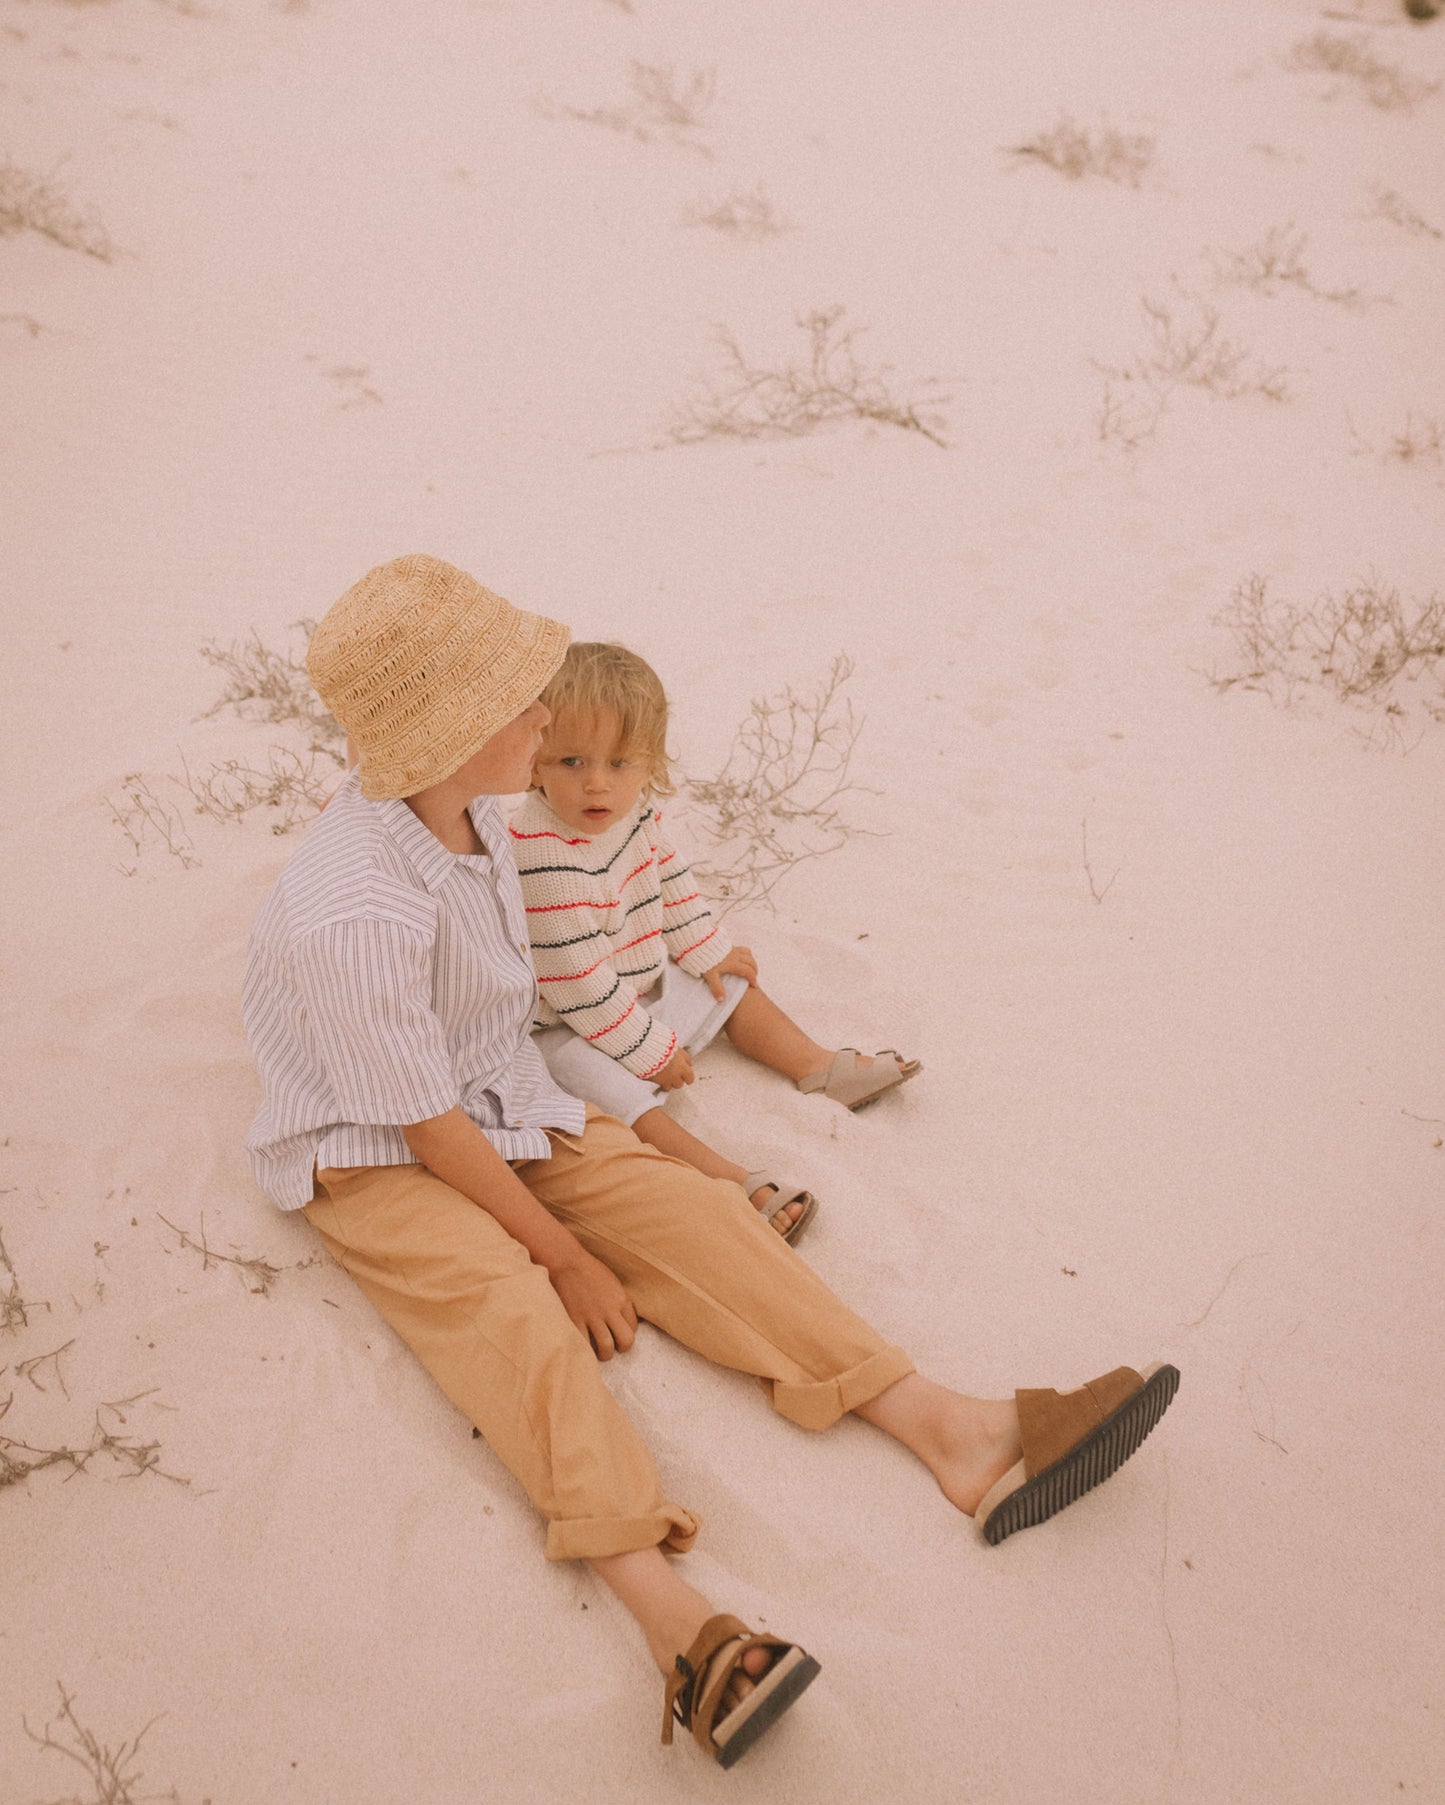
[(582, 771)]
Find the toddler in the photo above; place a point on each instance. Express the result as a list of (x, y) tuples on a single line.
[(635, 974)]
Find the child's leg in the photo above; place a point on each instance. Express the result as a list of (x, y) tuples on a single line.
[(659, 1130), (759, 1028)]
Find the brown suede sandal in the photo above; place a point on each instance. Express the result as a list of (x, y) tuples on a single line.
[(1073, 1442), (700, 1677), (787, 1192), (849, 1082)]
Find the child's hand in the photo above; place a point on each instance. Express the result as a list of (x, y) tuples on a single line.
[(677, 1072), (739, 963)]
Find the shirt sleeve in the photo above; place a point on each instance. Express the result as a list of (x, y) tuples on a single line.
[(693, 938), (366, 985), (573, 959)]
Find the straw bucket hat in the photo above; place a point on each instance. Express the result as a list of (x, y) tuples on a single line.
[(421, 665)]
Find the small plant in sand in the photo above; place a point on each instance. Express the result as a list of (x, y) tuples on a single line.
[(1184, 351), (1276, 261), (1421, 440), (291, 786), (14, 1308), (269, 685), (1383, 85), (776, 802), (662, 104), (132, 1455), (827, 386), (1395, 208), (1363, 645), (29, 203), (146, 819), (111, 1772), (1076, 152), (742, 213), (256, 1274)]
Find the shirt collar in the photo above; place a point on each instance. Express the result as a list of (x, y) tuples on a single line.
[(429, 858)]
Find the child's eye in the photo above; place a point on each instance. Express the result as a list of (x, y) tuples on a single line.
[(570, 763), (621, 764)]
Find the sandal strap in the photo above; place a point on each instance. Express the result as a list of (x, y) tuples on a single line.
[(680, 1697)]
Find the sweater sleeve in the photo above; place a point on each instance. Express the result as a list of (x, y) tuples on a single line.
[(575, 974), (693, 938)]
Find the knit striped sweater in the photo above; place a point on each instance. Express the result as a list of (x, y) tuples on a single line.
[(604, 913)]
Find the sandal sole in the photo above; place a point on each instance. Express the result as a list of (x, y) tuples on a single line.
[(1088, 1463), (789, 1687)]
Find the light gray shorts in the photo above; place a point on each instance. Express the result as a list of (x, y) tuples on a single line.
[(683, 1002)]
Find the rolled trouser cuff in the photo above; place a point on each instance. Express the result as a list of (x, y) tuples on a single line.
[(818, 1403), (589, 1538)]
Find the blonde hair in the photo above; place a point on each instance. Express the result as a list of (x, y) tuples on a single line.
[(598, 677)]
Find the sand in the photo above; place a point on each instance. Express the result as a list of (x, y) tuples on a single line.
[(1169, 950)]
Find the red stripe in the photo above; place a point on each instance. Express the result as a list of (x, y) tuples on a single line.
[(547, 834), (551, 908), (668, 860), (617, 1024), (570, 977), (691, 949), (632, 874), (681, 901)]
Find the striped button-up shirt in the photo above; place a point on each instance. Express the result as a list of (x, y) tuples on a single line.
[(388, 981)]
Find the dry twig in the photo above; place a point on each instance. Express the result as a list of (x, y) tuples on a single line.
[(1383, 85), (257, 1275), (263, 684), (112, 1772), (289, 783), (1363, 645), (26, 1369), (1394, 207), (776, 802), (740, 214), (661, 103), (828, 386), (142, 815), (28, 203), (19, 1459), (1076, 152), (1276, 261)]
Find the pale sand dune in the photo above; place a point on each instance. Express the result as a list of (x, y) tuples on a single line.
[(1184, 1103)]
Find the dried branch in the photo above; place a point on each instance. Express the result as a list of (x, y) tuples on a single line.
[(141, 816), (111, 1771), (1383, 85), (828, 386), (776, 802), (26, 1369), (289, 783), (273, 686), (257, 1274), (29, 203), (1076, 152)]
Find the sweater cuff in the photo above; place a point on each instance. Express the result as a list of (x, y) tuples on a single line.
[(647, 1060), (710, 944)]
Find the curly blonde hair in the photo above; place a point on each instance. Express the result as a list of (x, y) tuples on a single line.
[(597, 677)]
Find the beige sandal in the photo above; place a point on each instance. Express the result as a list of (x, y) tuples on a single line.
[(853, 1084), (787, 1192), (696, 1686), (1073, 1442)]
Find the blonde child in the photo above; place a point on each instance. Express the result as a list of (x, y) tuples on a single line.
[(635, 973)]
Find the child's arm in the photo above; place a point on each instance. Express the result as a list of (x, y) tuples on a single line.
[(692, 937)]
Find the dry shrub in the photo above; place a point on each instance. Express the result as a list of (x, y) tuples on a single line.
[(1077, 152), (132, 1455), (263, 684), (1422, 439), (1395, 208), (1184, 351), (28, 203), (290, 785), (1276, 261), (776, 802), (1364, 645), (740, 214), (111, 1772), (145, 819), (662, 104), (257, 1274), (1383, 85), (829, 385)]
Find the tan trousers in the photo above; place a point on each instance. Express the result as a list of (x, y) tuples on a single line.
[(695, 1258)]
